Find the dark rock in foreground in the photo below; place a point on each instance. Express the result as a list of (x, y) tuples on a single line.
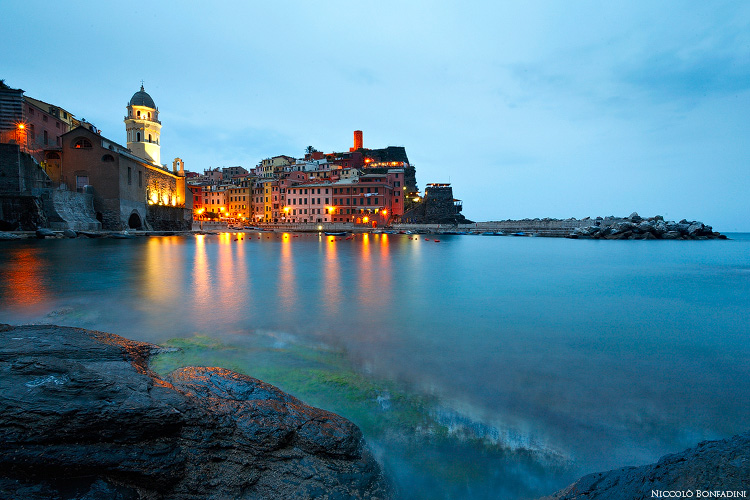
[(722, 466), (81, 416)]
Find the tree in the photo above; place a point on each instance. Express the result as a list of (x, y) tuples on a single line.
[(310, 150)]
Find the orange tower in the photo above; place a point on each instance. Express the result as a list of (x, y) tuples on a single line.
[(357, 140)]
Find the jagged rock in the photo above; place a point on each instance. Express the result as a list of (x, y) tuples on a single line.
[(81, 416), (711, 466), (635, 217), (69, 233), (660, 228), (671, 235), (646, 226), (42, 233)]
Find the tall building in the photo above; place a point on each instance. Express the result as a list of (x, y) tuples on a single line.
[(143, 127)]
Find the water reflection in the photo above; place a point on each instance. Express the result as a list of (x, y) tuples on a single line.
[(331, 279), (201, 274), (287, 290), (24, 278)]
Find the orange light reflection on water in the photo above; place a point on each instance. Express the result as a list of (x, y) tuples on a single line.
[(331, 278), (24, 279), (164, 270), (287, 279)]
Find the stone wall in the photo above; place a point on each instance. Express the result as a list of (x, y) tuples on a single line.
[(19, 172), (21, 213), (162, 218), (70, 210)]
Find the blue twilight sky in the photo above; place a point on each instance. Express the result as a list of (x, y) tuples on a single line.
[(530, 109)]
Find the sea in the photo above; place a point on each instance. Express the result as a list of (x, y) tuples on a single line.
[(477, 367)]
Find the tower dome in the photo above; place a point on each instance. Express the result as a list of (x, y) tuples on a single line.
[(141, 98)]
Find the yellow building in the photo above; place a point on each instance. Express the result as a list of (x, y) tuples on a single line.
[(239, 200)]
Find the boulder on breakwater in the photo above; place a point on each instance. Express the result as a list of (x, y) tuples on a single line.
[(82, 416), (635, 227), (712, 466)]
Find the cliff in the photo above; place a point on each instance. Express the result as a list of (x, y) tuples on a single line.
[(82, 416)]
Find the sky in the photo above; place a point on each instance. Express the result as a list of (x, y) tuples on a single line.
[(529, 109)]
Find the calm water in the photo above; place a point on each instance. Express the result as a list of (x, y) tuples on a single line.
[(478, 367)]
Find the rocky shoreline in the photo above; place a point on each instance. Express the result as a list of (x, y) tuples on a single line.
[(82, 416), (713, 466)]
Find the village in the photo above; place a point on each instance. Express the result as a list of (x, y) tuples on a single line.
[(59, 172)]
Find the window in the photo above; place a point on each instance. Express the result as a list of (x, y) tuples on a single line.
[(31, 111), (109, 158), (140, 178), (81, 182), (44, 118), (149, 137), (138, 136), (130, 176), (82, 143), (138, 114), (46, 138)]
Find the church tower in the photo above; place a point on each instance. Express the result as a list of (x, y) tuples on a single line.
[(143, 127)]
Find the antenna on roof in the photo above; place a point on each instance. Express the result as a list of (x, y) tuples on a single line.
[(141, 84)]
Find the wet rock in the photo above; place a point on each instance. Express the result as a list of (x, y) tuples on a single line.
[(83, 408), (712, 465), (671, 235), (42, 233), (635, 217)]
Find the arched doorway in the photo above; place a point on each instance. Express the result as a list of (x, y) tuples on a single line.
[(135, 221)]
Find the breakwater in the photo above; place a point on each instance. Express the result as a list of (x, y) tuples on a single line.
[(612, 228)]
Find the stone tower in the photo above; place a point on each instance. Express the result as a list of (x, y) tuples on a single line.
[(143, 127)]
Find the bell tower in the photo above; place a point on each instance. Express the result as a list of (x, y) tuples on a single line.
[(143, 127)]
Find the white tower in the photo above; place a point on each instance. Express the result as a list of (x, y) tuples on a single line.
[(143, 127)]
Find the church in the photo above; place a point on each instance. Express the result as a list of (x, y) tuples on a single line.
[(130, 187)]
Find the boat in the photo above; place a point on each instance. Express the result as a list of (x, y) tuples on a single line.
[(335, 233), (493, 233)]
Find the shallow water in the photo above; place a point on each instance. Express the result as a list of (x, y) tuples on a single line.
[(478, 367)]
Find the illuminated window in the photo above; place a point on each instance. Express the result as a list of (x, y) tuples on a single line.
[(82, 143)]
